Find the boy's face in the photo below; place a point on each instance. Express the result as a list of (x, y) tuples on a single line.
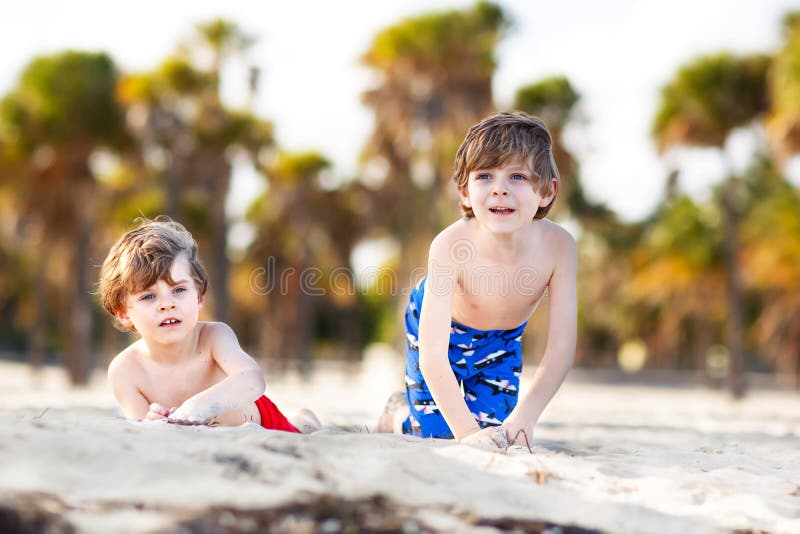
[(165, 313), (504, 198)]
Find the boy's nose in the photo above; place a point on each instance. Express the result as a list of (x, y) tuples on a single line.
[(499, 188), (167, 304)]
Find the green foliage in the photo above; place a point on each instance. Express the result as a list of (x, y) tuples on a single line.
[(709, 97), (224, 37), (552, 99), (177, 75), (298, 167), (64, 97), (686, 229), (784, 122), (440, 38), (770, 229), (15, 120), (791, 23), (225, 128), (148, 202), (175, 78)]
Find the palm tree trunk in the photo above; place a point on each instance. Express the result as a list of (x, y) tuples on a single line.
[(164, 129), (734, 289), (79, 348), (350, 326), (793, 352), (305, 333), (173, 187), (219, 242), (36, 349)]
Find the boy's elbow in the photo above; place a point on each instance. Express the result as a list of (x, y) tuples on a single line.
[(562, 356), (567, 357), (569, 360), (256, 381), (424, 366), (114, 374), (428, 366)]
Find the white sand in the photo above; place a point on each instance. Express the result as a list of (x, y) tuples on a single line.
[(609, 457)]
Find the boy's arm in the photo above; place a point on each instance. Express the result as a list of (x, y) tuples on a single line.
[(559, 351), (122, 379), (434, 339), (244, 382)]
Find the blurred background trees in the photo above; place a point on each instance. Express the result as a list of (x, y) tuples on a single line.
[(705, 102), (708, 284), (62, 110)]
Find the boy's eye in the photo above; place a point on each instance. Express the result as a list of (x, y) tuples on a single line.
[(518, 177), (147, 296), (179, 290), (483, 176)]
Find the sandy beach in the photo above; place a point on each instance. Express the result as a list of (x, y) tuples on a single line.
[(609, 457)]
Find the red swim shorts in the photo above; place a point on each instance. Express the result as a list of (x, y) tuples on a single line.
[(271, 416)]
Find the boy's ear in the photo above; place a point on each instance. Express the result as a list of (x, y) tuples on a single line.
[(200, 300), (545, 201), (465, 197), (123, 319)]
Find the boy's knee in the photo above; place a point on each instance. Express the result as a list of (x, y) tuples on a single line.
[(399, 418), (395, 412)]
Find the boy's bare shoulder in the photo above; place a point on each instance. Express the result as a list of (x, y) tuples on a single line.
[(450, 237), (128, 363), (211, 331), (458, 230), (217, 339), (557, 238), (560, 245)]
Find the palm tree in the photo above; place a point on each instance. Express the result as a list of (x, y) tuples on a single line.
[(771, 254), (217, 129), (783, 123), (181, 115), (704, 102), (62, 109), (291, 242), (677, 282), (161, 118), (605, 241), (23, 295), (554, 100), (774, 249)]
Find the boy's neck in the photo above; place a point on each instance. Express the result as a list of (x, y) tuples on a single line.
[(174, 352), (505, 244)]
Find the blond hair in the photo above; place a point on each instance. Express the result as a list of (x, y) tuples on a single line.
[(501, 138), (143, 256)]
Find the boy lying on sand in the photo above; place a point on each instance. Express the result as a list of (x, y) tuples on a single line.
[(180, 370)]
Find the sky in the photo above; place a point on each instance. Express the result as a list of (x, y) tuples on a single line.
[(616, 53)]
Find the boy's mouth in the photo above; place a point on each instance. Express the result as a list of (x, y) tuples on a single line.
[(502, 211), (169, 322)]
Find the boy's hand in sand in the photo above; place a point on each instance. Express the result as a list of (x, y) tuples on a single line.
[(493, 436), (189, 413), (501, 437), (158, 412), (518, 436)]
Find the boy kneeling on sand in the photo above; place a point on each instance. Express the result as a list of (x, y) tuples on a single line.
[(180, 370), (487, 273)]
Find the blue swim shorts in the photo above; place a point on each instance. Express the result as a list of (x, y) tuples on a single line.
[(486, 363)]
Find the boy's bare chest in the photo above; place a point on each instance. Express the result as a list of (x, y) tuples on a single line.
[(172, 385), (489, 296)]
